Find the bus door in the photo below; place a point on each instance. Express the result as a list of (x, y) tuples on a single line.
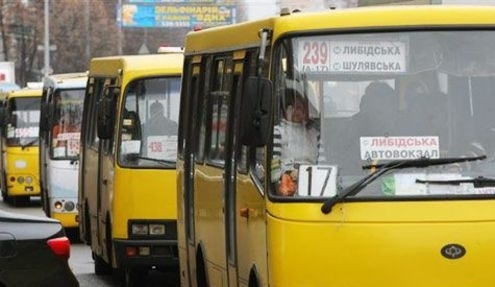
[(88, 178), (245, 220), (43, 145), (221, 152), (106, 118), (232, 211), (192, 125)]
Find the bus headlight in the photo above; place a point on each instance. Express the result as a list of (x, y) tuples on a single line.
[(139, 229), (20, 164), (149, 228), (69, 205), (20, 179), (58, 205), (157, 229), (29, 180), (144, 251)]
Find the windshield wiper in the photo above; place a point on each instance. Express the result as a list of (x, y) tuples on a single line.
[(33, 141), (134, 157), (382, 168), (477, 182)]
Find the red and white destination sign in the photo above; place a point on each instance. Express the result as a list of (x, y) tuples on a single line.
[(315, 55)]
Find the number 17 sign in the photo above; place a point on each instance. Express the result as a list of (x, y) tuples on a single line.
[(317, 180)]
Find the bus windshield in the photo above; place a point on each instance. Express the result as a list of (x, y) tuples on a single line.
[(23, 121), (148, 129), (66, 125), (348, 101)]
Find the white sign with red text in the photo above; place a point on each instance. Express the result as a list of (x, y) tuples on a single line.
[(162, 147), (317, 55), (397, 148)]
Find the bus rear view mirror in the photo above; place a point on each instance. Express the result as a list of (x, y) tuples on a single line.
[(44, 117), (2, 116), (255, 111), (106, 113)]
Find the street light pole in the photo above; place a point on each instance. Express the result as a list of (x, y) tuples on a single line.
[(47, 40), (88, 30), (120, 34)]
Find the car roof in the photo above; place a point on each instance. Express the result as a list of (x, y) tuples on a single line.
[(6, 216)]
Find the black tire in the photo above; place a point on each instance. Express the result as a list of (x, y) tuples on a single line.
[(20, 200), (6, 197), (5, 194), (134, 277), (101, 267), (253, 278), (45, 203), (73, 234), (87, 225), (201, 272)]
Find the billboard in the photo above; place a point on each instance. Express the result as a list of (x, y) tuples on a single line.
[(175, 14), (7, 72)]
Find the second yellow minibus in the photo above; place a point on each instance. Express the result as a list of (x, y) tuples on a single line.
[(127, 182)]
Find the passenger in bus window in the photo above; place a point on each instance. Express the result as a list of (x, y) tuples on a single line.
[(158, 124), (426, 113), (378, 111), (296, 141)]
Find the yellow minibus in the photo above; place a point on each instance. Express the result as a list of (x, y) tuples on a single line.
[(19, 125), (127, 180), (350, 147)]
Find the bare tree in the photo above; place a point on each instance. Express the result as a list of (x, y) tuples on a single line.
[(20, 37), (80, 30)]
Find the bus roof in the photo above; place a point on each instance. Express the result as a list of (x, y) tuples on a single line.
[(376, 17), (67, 80), (138, 65)]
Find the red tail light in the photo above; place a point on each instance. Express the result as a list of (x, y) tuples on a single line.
[(60, 246)]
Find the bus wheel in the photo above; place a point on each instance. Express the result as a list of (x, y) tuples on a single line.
[(46, 204), (20, 200), (253, 278), (101, 267), (5, 194), (201, 271), (87, 224), (6, 197), (134, 277)]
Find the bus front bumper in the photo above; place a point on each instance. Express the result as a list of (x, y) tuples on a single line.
[(68, 220)]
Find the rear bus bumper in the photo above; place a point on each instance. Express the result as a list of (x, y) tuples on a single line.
[(161, 254)]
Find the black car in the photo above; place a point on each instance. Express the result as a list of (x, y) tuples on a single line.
[(34, 251)]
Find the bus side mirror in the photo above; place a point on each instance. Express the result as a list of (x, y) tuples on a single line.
[(51, 117), (44, 112), (255, 112), (3, 114), (106, 114)]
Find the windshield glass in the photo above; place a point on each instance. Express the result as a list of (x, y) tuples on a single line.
[(148, 125), (23, 121), (66, 124), (351, 100)]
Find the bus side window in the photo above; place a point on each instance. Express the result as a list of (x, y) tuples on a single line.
[(218, 128), (260, 163)]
